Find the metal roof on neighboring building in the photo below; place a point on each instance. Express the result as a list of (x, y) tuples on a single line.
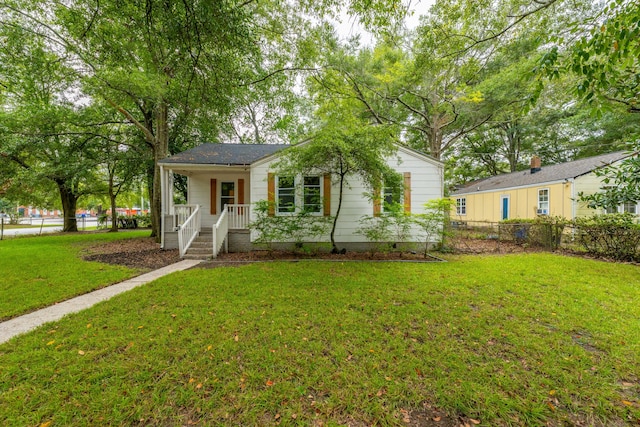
[(224, 154), (546, 174)]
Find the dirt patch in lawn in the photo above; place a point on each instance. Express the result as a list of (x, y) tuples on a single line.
[(143, 253)]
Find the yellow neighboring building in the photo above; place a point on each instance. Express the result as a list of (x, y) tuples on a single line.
[(549, 190)]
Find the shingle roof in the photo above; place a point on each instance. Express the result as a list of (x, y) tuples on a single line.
[(224, 154), (546, 174)]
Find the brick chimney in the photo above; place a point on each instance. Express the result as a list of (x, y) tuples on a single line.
[(535, 164)]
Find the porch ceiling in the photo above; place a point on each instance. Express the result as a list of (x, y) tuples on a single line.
[(189, 170)]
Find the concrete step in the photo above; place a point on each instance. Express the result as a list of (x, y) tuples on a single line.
[(199, 251), (197, 257), (197, 244)]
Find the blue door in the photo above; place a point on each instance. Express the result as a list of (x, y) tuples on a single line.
[(505, 207)]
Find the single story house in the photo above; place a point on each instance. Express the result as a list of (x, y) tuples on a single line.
[(549, 190), (224, 181)]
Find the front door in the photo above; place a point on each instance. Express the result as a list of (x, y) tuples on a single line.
[(505, 207), (227, 194)]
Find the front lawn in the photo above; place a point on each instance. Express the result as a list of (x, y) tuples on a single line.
[(514, 340), (37, 271)]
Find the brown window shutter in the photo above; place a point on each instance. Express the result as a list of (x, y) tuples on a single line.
[(407, 192), (214, 196), (326, 203), (241, 191), (377, 200), (271, 193)]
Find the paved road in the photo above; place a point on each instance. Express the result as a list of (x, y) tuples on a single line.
[(36, 222)]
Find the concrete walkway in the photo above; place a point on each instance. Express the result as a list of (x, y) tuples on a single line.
[(28, 322)]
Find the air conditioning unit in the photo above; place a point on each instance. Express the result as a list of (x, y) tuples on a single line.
[(542, 212)]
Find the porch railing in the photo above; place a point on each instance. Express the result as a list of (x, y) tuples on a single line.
[(238, 216), (188, 230), (220, 232), (182, 212)]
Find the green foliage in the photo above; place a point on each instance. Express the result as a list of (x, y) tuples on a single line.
[(621, 184), (545, 231), (43, 270), (316, 342), (144, 220), (435, 223), (386, 230), (298, 228), (615, 236), (346, 146)]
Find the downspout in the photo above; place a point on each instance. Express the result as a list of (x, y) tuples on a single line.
[(163, 185)]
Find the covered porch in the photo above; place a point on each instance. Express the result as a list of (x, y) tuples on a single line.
[(218, 197), (216, 206)]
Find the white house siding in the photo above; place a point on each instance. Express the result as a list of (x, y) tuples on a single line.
[(426, 184), (200, 192)]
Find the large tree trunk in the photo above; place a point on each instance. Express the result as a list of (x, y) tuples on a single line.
[(160, 152), (112, 200), (69, 206)]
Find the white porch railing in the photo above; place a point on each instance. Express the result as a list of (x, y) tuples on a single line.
[(238, 216), (220, 231), (183, 212), (188, 230)]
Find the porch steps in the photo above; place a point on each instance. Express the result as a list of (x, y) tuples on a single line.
[(202, 246)]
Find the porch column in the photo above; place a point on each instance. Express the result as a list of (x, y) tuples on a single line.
[(170, 193), (163, 185)]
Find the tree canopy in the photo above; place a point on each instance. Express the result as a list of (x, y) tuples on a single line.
[(483, 85)]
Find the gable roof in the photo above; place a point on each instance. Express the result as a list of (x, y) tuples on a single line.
[(546, 174), (223, 154)]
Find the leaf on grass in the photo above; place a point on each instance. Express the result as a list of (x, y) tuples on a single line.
[(294, 416), (476, 422), (199, 386), (627, 403), (269, 383), (550, 405), (81, 353), (88, 325), (46, 424), (552, 392), (236, 338), (192, 380), (51, 342), (436, 419), (209, 347)]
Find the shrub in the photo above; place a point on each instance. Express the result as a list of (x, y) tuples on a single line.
[(435, 222), (545, 231), (387, 229), (144, 220), (612, 235), (297, 228)]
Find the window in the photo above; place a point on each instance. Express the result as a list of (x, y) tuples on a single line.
[(312, 200), (391, 197), (285, 194), (461, 206), (543, 201), (295, 194), (630, 207)]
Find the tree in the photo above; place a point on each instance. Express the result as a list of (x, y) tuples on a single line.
[(347, 147), (43, 137)]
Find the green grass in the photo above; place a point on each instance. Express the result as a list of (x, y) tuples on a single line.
[(16, 226), (39, 271), (513, 340)]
